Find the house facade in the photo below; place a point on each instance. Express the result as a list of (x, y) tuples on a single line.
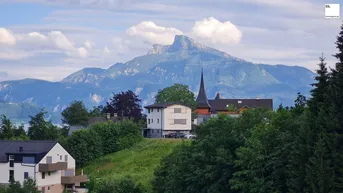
[(206, 108), (46, 162), (165, 118)]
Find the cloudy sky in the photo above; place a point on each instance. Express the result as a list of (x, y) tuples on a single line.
[(50, 39)]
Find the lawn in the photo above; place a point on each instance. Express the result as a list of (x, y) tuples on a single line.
[(139, 161)]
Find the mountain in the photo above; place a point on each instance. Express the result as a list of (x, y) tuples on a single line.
[(163, 66)]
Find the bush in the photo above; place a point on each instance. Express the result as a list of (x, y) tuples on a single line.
[(84, 146), (125, 185), (102, 139)]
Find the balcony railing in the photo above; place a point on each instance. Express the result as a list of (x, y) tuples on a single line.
[(53, 167), (73, 179)]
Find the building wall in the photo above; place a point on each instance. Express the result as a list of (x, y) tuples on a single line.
[(202, 111), (169, 116), (52, 188), (155, 117), (19, 170), (58, 155)]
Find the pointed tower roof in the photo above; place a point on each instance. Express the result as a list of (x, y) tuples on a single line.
[(202, 101)]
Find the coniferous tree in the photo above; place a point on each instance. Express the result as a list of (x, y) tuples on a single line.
[(320, 174), (319, 92)]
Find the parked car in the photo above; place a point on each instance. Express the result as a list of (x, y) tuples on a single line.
[(170, 135), (190, 136), (180, 135)]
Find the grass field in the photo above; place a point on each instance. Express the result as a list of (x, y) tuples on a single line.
[(139, 161)]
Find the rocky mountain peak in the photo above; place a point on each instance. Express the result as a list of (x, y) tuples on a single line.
[(182, 42), (158, 49)]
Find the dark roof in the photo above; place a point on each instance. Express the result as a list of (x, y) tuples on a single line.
[(202, 101), (29, 147), (73, 128), (163, 105), (221, 104), (101, 119)]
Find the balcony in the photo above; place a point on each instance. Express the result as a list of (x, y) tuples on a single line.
[(73, 179), (53, 167)]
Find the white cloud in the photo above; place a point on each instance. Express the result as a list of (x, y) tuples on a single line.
[(38, 36), (7, 37), (106, 50), (217, 32), (61, 41), (83, 53), (154, 33), (88, 44)]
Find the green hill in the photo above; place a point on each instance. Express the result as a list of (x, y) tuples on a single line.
[(139, 161)]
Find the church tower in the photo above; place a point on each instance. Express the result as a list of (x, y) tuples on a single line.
[(203, 107)]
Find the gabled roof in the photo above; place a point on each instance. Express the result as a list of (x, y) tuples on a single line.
[(29, 147), (221, 104), (163, 105), (202, 101)]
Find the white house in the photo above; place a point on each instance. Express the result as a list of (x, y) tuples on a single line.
[(165, 118), (46, 162)]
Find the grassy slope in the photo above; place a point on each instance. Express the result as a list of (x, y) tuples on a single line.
[(139, 162)]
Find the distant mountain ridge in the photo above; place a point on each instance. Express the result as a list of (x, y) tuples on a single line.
[(163, 66)]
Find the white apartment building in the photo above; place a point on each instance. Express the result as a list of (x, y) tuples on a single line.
[(46, 162), (165, 118)]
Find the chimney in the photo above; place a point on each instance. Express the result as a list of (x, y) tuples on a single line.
[(20, 149), (108, 115), (217, 96)]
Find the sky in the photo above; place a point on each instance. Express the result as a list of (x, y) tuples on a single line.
[(50, 39)]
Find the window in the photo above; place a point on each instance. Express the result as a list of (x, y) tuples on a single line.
[(48, 159), (48, 188), (43, 175), (11, 176), (148, 121), (158, 110), (49, 173), (43, 190), (177, 110), (152, 110), (11, 163), (148, 110), (11, 157), (60, 157), (152, 120), (180, 121), (158, 120), (158, 131), (152, 131), (239, 102), (26, 175), (29, 160), (66, 158)]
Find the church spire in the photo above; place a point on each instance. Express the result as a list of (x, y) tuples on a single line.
[(202, 101)]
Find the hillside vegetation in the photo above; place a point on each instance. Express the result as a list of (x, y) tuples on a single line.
[(139, 161)]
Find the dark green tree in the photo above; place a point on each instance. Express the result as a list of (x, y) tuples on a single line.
[(207, 165), (75, 114), (319, 92), (178, 93), (40, 129), (84, 146), (320, 174), (7, 129), (126, 105), (30, 186), (97, 111)]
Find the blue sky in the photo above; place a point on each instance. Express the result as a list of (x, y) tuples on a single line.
[(49, 39)]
